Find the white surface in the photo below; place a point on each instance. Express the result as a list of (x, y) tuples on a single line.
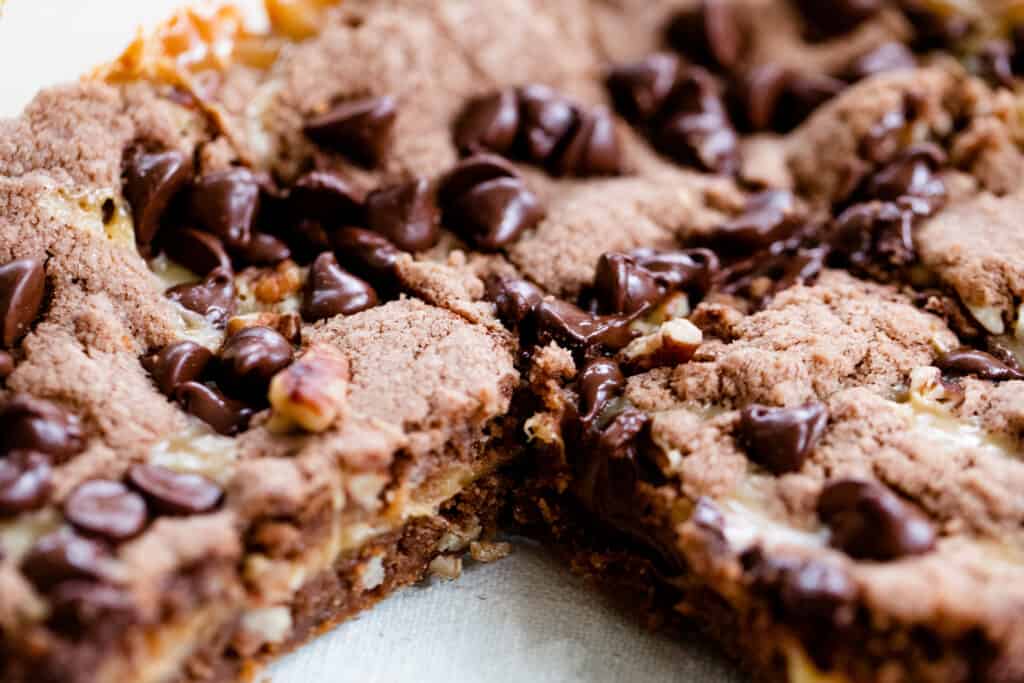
[(521, 619)]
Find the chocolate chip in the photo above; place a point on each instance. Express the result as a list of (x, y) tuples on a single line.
[(599, 382), (361, 130), (471, 172), (874, 237), (213, 297), (768, 217), (696, 130), (886, 57), (546, 120), (780, 439), (495, 213), (710, 34), (175, 493), (225, 415), (567, 324), (982, 365), (912, 173), (65, 556), (829, 18), (250, 358), (37, 425), (151, 181), (25, 481), (488, 123), (226, 203), (621, 285), (405, 214), (6, 365), (22, 286), (592, 148), (106, 508), (198, 251), (640, 90), (870, 522), (177, 363), (761, 276), (818, 591), (331, 290), (689, 270), (513, 298), (76, 605), (368, 255), (779, 99), (263, 249), (326, 197)]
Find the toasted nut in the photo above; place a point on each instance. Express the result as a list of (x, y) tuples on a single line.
[(297, 19), (446, 567), (311, 393), (489, 551), (273, 286), (672, 344), (289, 325)]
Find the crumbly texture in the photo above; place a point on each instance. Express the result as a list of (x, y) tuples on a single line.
[(435, 388)]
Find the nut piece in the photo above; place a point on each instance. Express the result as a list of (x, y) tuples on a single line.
[(288, 325), (311, 393), (272, 286), (446, 567), (673, 343), (489, 551)]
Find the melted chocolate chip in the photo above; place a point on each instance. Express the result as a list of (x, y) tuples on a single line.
[(405, 214), (250, 358), (599, 382), (25, 481), (592, 148), (106, 508), (175, 493), (608, 471), (177, 363), (226, 416), (829, 18), (368, 255), (513, 298), (770, 216), (469, 173), (326, 197), (6, 365), (494, 213), (34, 424), (640, 90), (488, 123), (213, 297), (874, 237), (911, 174), (817, 594), (263, 249), (198, 251), (331, 290), (689, 270), (710, 34), (570, 326), (151, 181), (765, 274), (361, 130), (982, 365), (226, 203), (22, 286), (886, 57), (696, 130), (546, 120), (77, 605), (621, 285), (779, 99), (870, 522), (780, 439), (65, 556)]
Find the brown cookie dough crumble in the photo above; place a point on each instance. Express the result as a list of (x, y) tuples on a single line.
[(721, 298)]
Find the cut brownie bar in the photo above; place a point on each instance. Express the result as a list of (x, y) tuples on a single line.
[(724, 296)]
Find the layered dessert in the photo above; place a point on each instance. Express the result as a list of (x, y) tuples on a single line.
[(719, 299)]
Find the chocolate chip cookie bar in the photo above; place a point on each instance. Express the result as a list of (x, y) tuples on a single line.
[(719, 298)]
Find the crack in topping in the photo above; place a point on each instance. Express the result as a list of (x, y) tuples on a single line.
[(331, 290), (106, 508), (781, 439), (361, 130), (870, 522), (175, 493), (966, 361), (487, 203), (22, 288), (536, 124)]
